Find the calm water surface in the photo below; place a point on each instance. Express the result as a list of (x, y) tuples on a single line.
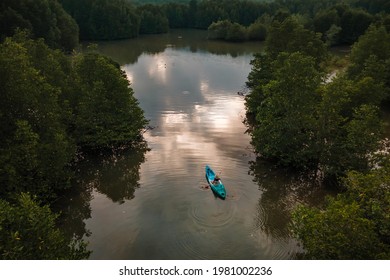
[(154, 205)]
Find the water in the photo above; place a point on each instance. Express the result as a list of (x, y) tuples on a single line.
[(155, 204)]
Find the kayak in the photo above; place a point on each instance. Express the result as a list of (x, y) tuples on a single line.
[(217, 187)]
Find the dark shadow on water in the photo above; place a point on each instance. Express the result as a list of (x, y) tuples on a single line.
[(129, 51), (283, 190), (114, 174)]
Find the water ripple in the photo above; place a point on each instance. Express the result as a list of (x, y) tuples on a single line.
[(213, 216)]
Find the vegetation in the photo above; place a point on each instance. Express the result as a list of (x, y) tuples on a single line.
[(298, 120), (103, 19), (302, 122), (35, 148), (28, 231), (106, 114), (153, 20), (57, 102), (52, 106), (118, 19), (43, 18), (354, 225)]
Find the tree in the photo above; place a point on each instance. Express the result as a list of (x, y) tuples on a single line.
[(350, 128), (323, 20), (353, 225), (107, 113), (354, 23), (370, 56), (50, 104), (153, 20), (104, 19), (289, 36), (177, 14), (43, 18), (236, 33), (28, 232), (260, 75), (286, 120), (35, 150), (257, 31), (219, 30)]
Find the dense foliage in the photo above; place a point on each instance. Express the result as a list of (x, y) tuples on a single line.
[(338, 23), (103, 19), (43, 18), (299, 118), (35, 147), (354, 225), (106, 113), (370, 56), (153, 20), (302, 122), (28, 231), (53, 105)]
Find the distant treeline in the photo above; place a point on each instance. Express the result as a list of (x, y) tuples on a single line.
[(339, 22), (232, 20)]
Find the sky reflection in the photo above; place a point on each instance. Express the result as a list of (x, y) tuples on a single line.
[(190, 97)]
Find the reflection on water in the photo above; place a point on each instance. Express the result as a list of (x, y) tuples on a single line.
[(155, 205), (128, 51), (115, 175)]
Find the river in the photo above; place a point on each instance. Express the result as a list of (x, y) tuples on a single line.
[(154, 204)]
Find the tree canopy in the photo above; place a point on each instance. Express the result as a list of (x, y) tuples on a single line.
[(353, 225), (54, 106), (298, 118), (302, 122), (103, 19), (43, 18), (28, 231)]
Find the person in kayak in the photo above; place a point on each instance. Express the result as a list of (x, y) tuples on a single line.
[(216, 180)]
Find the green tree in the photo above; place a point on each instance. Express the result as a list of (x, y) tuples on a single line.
[(290, 36), (28, 232), (30, 117), (236, 33), (323, 20), (287, 36), (305, 123), (328, 23), (286, 120), (104, 19), (218, 30), (177, 14), (107, 113), (257, 31), (260, 75), (43, 18), (354, 23), (370, 56), (354, 225), (153, 20), (349, 126)]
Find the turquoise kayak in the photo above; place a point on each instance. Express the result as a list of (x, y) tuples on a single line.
[(216, 185)]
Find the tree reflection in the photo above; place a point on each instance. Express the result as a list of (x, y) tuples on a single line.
[(114, 174), (129, 51), (282, 190)]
